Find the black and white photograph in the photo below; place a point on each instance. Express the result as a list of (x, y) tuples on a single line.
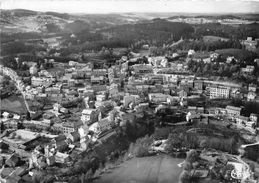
[(129, 91)]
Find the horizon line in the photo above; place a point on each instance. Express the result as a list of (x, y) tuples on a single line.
[(135, 12)]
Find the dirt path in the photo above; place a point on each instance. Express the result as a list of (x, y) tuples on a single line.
[(155, 169)]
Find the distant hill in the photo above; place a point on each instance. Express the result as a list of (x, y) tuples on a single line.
[(158, 31), (20, 20), (18, 13), (59, 15)]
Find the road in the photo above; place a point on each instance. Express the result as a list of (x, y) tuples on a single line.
[(153, 169), (14, 79)]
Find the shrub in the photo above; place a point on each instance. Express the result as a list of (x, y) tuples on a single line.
[(140, 147), (192, 156), (184, 177)]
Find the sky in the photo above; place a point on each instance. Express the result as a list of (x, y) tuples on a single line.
[(120, 6)]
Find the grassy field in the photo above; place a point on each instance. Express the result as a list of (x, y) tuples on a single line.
[(153, 169), (13, 104)]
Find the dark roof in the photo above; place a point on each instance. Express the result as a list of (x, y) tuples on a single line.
[(60, 138)]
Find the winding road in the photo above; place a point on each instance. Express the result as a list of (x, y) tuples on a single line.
[(13, 75)]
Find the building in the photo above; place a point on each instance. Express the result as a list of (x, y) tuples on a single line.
[(198, 85), (250, 44), (130, 99), (89, 116), (74, 136), (253, 117), (99, 72), (157, 97), (40, 81), (97, 80), (61, 157), (141, 69), (191, 52), (105, 124), (251, 96), (33, 69), (248, 69), (233, 111), (241, 120), (218, 91), (252, 87)]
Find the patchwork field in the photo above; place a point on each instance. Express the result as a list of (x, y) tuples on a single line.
[(153, 169)]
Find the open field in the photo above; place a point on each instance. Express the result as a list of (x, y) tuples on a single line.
[(153, 169), (13, 104)]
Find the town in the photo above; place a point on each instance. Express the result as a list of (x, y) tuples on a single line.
[(67, 119)]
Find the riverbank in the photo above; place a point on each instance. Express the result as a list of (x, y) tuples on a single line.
[(152, 169)]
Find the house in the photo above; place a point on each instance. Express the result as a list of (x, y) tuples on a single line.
[(141, 69), (191, 52), (33, 69), (83, 131), (72, 63), (61, 146), (182, 94), (214, 56), (250, 44), (89, 116), (131, 99), (12, 123), (61, 157), (253, 117), (97, 80), (94, 128), (56, 107), (6, 114), (240, 170), (5, 172), (74, 136), (241, 120), (233, 111), (158, 61), (252, 87), (69, 127), (218, 91), (100, 97), (13, 160), (105, 124), (248, 69), (99, 72), (40, 81), (251, 96), (199, 173), (157, 97), (235, 93), (198, 85)]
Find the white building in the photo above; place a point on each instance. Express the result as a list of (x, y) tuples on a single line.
[(217, 91), (33, 70), (40, 81)]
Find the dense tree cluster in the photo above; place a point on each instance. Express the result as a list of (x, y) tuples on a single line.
[(230, 70), (201, 45), (241, 31)]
